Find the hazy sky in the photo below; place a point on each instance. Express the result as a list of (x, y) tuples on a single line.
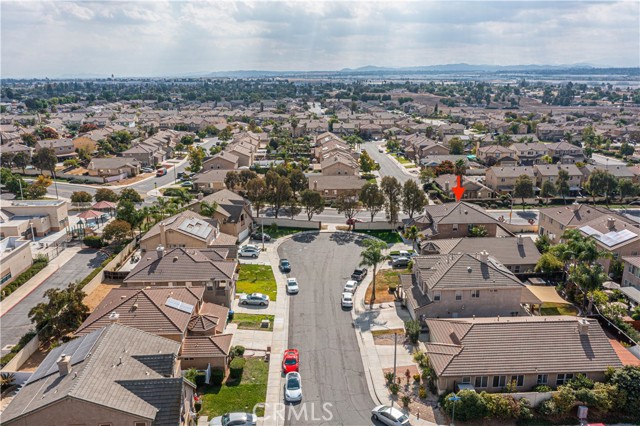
[(153, 38)]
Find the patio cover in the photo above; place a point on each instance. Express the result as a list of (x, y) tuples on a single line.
[(100, 205), (632, 293), (542, 295), (89, 214)]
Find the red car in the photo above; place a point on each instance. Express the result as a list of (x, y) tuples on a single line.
[(290, 361)]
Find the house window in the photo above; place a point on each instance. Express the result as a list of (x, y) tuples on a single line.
[(475, 294), (518, 380), (139, 423), (437, 296), (562, 379), (466, 381), (543, 379), (516, 269), (5, 277), (481, 381), (455, 226), (499, 381), (458, 295)]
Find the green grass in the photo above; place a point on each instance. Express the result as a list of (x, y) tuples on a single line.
[(389, 237), (281, 231), (234, 395), (403, 160), (557, 309), (257, 279), (252, 321)]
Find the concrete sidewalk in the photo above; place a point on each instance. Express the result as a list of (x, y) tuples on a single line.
[(23, 291)]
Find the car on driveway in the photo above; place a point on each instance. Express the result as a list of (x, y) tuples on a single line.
[(359, 274), (285, 266), (248, 252), (234, 419), (347, 300), (254, 299), (350, 286), (292, 286), (400, 262), (290, 360), (186, 184), (258, 236), (293, 387), (389, 416), (147, 170)]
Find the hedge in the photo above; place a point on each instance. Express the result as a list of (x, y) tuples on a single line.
[(236, 367), (217, 376), (38, 264), (17, 348), (96, 271)]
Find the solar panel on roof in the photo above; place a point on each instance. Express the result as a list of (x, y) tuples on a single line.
[(177, 304), (196, 227), (610, 238)]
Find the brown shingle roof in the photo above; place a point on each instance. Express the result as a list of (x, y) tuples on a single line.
[(521, 345), (574, 215), (206, 346), (506, 250)]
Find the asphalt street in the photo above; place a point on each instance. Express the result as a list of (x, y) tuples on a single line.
[(388, 167), (330, 361), (15, 323)]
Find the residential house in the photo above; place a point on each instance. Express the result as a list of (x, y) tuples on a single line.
[(15, 258), (462, 285), (330, 187), (117, 375), (27, 217), (496, 154), (15, 148), (114, 166), (331, 148), (529, 154), (549, 132), (63, 148), (518, 255), (188, 229), (221, 161), (631, 274), (503, 179), (615, 235), (554, 221), (233, 212), (487, 354), (147, 153), (210, 181), (455, 220), (244, 152), (473, 189), (339, 165), (550, 172), (618, 172), (188, 267), (176, 313), (565, 153)]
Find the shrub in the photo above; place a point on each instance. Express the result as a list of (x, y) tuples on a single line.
[(542, 388), (217, 376), (174, 192), (580, 381), (38, 264), (564, 399), (416, 378), (191, 375), (406, 400), (501, 406), (394, 388), (627, 380), (422, 392), (236, 367), (237, 351), (412, 328), (471, 406), (93, 241)]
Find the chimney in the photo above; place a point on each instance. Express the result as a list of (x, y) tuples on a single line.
[(520, 240), (114, 317), (477, 147), (483, 256), (611, 223), (160, 251), (446, 186), (583, 327), (64, 365), (315, 185), (163, 236)]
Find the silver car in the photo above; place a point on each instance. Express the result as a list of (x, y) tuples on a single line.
[(254, 299), (389, 416), (234, 419), (248, 252), (293, 387)]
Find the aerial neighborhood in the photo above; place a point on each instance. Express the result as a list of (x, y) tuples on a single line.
[(202, 251)]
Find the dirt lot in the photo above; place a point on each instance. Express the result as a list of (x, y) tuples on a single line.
[(93, 299)]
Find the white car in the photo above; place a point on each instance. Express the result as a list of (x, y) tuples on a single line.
[(381, 149), (293, 387), (350, 286), (248, 252), (390, 416), (347, 300), (292, 286)]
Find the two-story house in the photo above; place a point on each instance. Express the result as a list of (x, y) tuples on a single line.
[(529, 154), (233, 213), (503, 179), (550, 173), (63, 148), (339, 165), (565, 153)]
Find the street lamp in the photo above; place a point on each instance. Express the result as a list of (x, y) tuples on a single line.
[(455, 398), (395, 352)]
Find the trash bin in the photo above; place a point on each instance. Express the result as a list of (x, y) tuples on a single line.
[(230, 316)]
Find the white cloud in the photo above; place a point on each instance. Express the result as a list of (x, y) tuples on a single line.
[(162, 38)]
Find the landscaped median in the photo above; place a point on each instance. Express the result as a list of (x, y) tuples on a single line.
[(257, 279), (387, 280), (39, 264), (389, 237)]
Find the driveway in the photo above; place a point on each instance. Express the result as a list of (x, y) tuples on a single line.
[(330, 360), (15, 323)]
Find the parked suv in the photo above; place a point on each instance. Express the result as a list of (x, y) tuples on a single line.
[(359, 274)]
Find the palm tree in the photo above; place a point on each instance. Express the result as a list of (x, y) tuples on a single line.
[(588, 278), (460, 167), (413, 234), (372, 256), (208, 209)]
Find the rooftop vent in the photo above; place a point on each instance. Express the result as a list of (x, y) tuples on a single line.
[(583, 327), (113, 317)]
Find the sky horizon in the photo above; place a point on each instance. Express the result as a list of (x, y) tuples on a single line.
[(169, 38)]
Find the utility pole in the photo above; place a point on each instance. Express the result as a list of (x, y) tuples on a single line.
[(455, 398)]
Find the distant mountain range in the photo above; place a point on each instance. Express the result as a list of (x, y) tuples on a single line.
[(471, 67)]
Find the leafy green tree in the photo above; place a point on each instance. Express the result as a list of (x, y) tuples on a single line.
[(279, 194), (196, 158), (298, 181), (116, 231), (412, 330), (45, 159), (413, 198), (372, 257), (587, 277), (105, 194), (478, 231), (460, 167), (562, 184), (62, 313), (456, 146), (543, 243), (523, 188), (548, 190), (231, 180), (626, 188), (187, 140), (627, 380), (127, 212), (256, 193), (548, 263), (312, 202), (392, 191), (208, 209), (21, 160), (412, 234), (626, 149), (547, 159), (348, 204), (81, 197), (130, 194), (471, 405), (372, 198), (367, 165), (6, 159), (601, 183)]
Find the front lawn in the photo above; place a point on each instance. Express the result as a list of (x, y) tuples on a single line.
[(237, 395), (404, 161), (386, 282), (558, 309), (281, 231), (252, 321), (389, 237), (257, 279)]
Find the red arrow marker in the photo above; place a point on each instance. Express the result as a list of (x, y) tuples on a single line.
[(458, 190)]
